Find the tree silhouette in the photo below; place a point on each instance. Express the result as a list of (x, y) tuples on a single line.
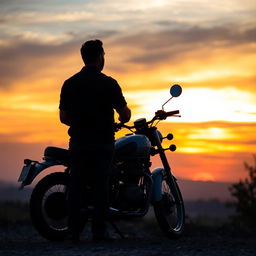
[(245, 193)]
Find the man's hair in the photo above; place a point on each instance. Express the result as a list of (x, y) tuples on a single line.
[(91, 50)]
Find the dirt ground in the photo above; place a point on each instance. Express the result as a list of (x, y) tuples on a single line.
[(142, 239)]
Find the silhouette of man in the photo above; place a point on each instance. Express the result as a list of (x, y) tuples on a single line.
[(87, 103)]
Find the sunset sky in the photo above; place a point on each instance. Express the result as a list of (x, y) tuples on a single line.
[(207, 47)]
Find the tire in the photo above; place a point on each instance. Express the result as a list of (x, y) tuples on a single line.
[(170, 211), (48, 209)]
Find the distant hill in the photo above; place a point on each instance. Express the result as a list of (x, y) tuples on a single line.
[(204, 190), (10, 192), (191, 190), (201, 198), (211, 208)]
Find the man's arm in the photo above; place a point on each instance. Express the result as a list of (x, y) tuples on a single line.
[(65, 117), (124, 114)]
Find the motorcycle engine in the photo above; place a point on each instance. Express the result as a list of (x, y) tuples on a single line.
[(130, 171), (130, 195)]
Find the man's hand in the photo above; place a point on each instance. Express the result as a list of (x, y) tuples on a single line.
[(124, 114)]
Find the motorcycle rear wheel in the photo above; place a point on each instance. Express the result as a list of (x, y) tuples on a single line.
[(48, 209), (170, 211)]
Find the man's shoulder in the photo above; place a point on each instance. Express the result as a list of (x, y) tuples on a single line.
[(109, 79), (69, 82), (73, 77)]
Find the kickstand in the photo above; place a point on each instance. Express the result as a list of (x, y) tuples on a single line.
[(118, 231)]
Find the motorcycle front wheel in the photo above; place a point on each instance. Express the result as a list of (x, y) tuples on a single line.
[(170, 211), (48, 207)]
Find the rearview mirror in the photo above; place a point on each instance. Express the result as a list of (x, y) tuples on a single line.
[(176, 90)]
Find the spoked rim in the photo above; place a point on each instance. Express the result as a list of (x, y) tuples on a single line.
[(54, 207), (173, 208)]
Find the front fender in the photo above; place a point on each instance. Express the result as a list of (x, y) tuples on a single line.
[(37, 168), (157, 177)]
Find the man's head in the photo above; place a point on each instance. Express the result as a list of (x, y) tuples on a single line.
[(93, 53)]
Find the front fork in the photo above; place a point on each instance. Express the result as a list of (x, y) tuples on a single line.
[(167, 169)]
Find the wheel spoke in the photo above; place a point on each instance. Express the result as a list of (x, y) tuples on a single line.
[(170, 212), (56, 224)]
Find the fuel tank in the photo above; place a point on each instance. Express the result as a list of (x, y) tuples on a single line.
[(132, 146)]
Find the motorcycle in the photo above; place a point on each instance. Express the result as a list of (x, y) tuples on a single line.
[(133, 187)]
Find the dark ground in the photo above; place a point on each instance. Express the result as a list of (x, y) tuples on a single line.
[(143, 238)]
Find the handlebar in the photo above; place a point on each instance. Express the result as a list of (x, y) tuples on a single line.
[(171, 113), (118, 126), (159, 115)]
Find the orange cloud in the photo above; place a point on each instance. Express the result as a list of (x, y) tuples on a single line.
[(214, 64)]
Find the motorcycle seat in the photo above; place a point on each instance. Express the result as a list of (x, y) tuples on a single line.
[(56, 154)]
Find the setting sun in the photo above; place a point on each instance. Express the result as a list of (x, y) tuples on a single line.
[(203, 176)]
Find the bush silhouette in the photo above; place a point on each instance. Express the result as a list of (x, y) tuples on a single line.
[(245, 193)]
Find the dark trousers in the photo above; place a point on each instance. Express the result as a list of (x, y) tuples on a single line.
[(90, 165)]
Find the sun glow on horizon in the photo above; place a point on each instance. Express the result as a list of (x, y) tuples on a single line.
[(203, 176), (198, 104)]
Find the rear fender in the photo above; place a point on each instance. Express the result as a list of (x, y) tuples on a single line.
[(157, 177), (36, 168)]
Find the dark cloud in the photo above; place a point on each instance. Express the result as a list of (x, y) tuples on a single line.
[(22, 59), (152, 57), (18, 61), (250, 35), (159, 46)]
